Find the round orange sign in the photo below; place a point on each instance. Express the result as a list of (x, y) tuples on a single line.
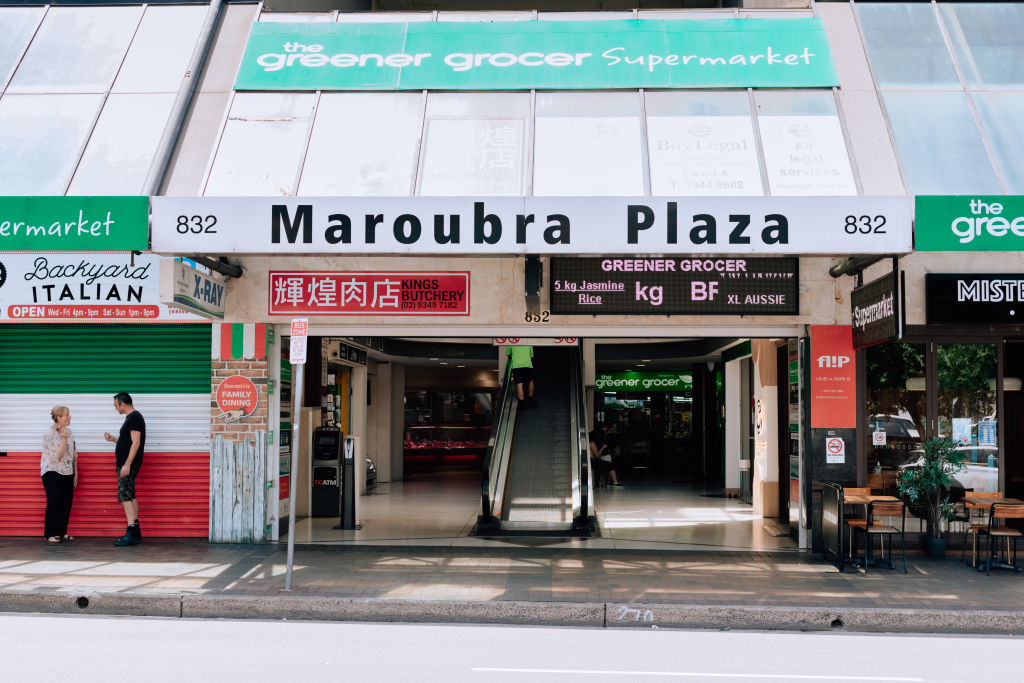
[(237, 397)]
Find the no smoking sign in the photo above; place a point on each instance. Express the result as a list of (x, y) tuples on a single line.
[(835, 450)]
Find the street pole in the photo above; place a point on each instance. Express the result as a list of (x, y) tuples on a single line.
[(297, 349)]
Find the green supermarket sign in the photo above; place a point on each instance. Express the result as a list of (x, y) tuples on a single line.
[(969, 223), (523, 55), (644, 381), (74, 223)]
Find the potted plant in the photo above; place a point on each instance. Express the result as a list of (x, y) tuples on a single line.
[(927, 483)]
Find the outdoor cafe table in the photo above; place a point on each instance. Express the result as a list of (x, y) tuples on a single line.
[(861, 499), (984, 502)]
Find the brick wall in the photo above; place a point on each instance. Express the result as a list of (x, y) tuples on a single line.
[(256, 370)]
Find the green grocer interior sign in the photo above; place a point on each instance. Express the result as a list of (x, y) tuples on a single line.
[(520, 55), (74, 223), (969, 223), (644, 381)]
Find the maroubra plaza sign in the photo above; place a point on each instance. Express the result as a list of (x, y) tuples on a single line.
[(577, 55), (531, 225)]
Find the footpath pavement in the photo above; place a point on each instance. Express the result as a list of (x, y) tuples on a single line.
[(517, 584)]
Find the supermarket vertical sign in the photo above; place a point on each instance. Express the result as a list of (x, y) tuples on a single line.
[(74, 223)]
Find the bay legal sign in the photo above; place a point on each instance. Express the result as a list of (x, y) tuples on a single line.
[(523, 55), (531, 225), (74, 223)]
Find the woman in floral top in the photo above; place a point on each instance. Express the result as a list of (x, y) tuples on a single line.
[(59, 469)]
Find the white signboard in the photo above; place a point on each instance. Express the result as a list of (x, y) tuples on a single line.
[(534, 225), (835, 451), (183, 286), (297, 345), (806, 155), (878, 438), (703, 156), (84, 287)]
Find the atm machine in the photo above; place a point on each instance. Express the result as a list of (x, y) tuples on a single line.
[(327, 445)]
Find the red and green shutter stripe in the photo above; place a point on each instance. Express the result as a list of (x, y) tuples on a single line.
[(234, 338)]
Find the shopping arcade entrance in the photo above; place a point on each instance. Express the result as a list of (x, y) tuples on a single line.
[(667, 500)]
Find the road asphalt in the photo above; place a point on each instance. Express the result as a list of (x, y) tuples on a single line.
[(522, 584)]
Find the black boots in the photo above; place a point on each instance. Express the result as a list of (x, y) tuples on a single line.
[(132, 535)]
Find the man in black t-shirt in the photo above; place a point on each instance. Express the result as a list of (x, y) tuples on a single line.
[(131, 442)]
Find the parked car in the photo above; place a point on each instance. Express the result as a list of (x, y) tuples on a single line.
[(981, 473), (902, 438)]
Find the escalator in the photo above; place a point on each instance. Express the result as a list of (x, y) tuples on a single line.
[(536, 471)]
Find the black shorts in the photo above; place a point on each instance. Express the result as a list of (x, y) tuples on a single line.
[(126, 486), (522, 375)]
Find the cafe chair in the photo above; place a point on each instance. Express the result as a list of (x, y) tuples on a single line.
[(997, 529), (854, 523), (874, 527), (976, 523)]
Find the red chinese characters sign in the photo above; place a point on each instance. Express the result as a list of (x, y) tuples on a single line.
[(369, 293), (833, 377)]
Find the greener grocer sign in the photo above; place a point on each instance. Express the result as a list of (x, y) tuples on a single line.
[(74, 223), (969, 223), (645, 381), (578, 55)]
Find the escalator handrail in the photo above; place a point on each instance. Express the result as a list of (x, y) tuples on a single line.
[(498, 419), (582, 450)]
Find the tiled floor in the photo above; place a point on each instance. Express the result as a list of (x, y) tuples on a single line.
[(441, 509)]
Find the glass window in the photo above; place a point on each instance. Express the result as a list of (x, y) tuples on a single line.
[(16, 27), (804, 148), (158, 57), (263, 144), (987, 39), (77, 49), (905, 45), (296, 17), (967, 410), (363, 144), (485, 16), (939, 144), (43, 136), (588, 144), (701, 143), (1000, 114), (895, 410), (384, 17), (474, 144), (122, 145)]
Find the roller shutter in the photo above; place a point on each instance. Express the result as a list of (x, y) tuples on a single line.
[(166, 369)]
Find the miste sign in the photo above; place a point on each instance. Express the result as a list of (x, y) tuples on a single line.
[(535, 225), (524, 55)]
